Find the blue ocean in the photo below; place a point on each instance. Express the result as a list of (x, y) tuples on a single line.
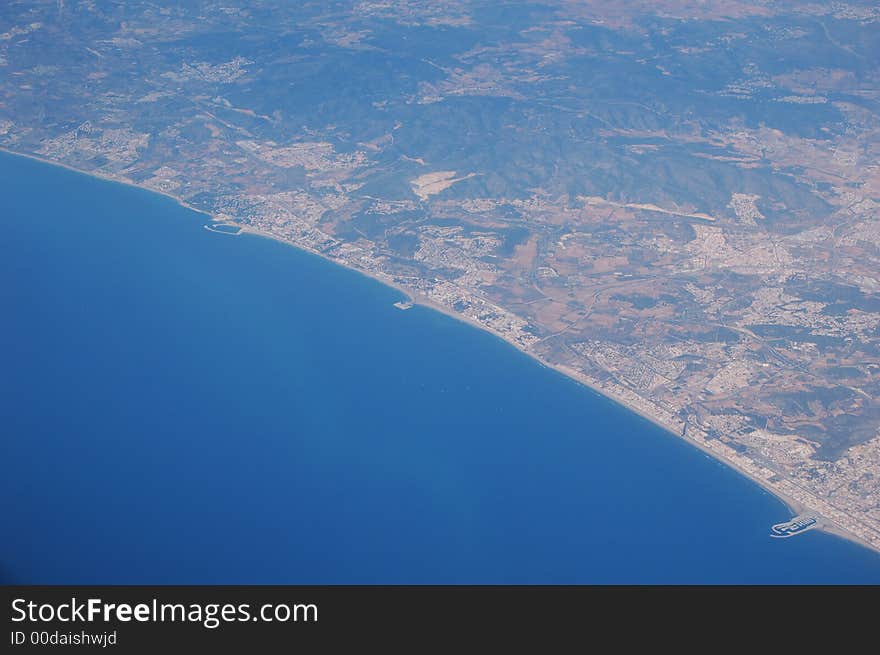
[(180, 406)]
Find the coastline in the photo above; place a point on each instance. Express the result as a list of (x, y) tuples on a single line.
[(107, 178), (794, 506)]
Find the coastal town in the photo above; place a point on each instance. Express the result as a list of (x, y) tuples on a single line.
[(709, 265)]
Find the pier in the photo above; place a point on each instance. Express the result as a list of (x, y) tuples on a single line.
[(231, 229)]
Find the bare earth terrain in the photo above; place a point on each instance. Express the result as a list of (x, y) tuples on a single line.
[(675, 203)]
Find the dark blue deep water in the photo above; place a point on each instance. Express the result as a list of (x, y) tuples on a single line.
[(178, 406)]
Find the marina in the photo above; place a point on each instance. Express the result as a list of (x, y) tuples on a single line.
[(794, 527)]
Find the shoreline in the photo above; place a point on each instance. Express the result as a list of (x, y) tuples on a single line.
[(794, 506), (107, 178)]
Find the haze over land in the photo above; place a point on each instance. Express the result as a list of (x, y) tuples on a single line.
[(673, 202)]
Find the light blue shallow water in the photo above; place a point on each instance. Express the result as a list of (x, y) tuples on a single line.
[(180, 406)]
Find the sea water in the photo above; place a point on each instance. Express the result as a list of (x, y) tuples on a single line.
[(182, 406)]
